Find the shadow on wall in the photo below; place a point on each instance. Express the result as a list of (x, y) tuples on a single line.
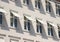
[(19, 28), (52, 12), (44, 33), (54, 35), (42, 9), (32, 32), (18, 3), (30, 6), (5, 1), (5, 25)]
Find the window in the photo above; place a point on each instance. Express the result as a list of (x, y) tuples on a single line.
[(13, 20), (50, 29), (26, 2), (27, 23), (48, 6), (38, 4), (39, 27), (59, 31), (1, 17), (58, 10)]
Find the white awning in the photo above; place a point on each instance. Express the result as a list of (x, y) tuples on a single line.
[(29, 18), (2, 10), (52, 24), (41, 21), (15, 14)]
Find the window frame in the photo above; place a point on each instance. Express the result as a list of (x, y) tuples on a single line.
[(26, 2), (50, 29), (38, 4), (57, 10), (48, 6), (59, 31), (26, 22), (12, 20), (39, 27)]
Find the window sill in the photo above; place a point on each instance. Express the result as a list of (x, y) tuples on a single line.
[(26, 31), (57, 15), (38, 33), (48, 12), (13, 28), (25, 4), (50, 36), (1, 25), (37, 8)]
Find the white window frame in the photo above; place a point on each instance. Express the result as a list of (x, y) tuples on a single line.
[(25, 2), (48, 4), (26, 21), (58, 30), (14, 17), (39, 24), (50, 27), (57, 10), (36, 4)]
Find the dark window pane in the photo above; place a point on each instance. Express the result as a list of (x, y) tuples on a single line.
[(24, 25), (0, 19), (35, 3), (23, 1), (39, 5), (37, 29), (28, 25), (11, 20), (27, 2), (40, 29), (51, 32), (48, 31), (15, 22), (49, 8), (59, 11), (59, 34)]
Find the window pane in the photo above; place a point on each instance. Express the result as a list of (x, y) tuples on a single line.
[(59, 34), (35, 3), (49, 7), (59, 11), (15, 22), (40, 29), (0, 19), (23, 1), (39, 4), (51, 32), (24, 25), (11, 21), (37, 29), (27, 2), (48, 31), (29, 25)]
